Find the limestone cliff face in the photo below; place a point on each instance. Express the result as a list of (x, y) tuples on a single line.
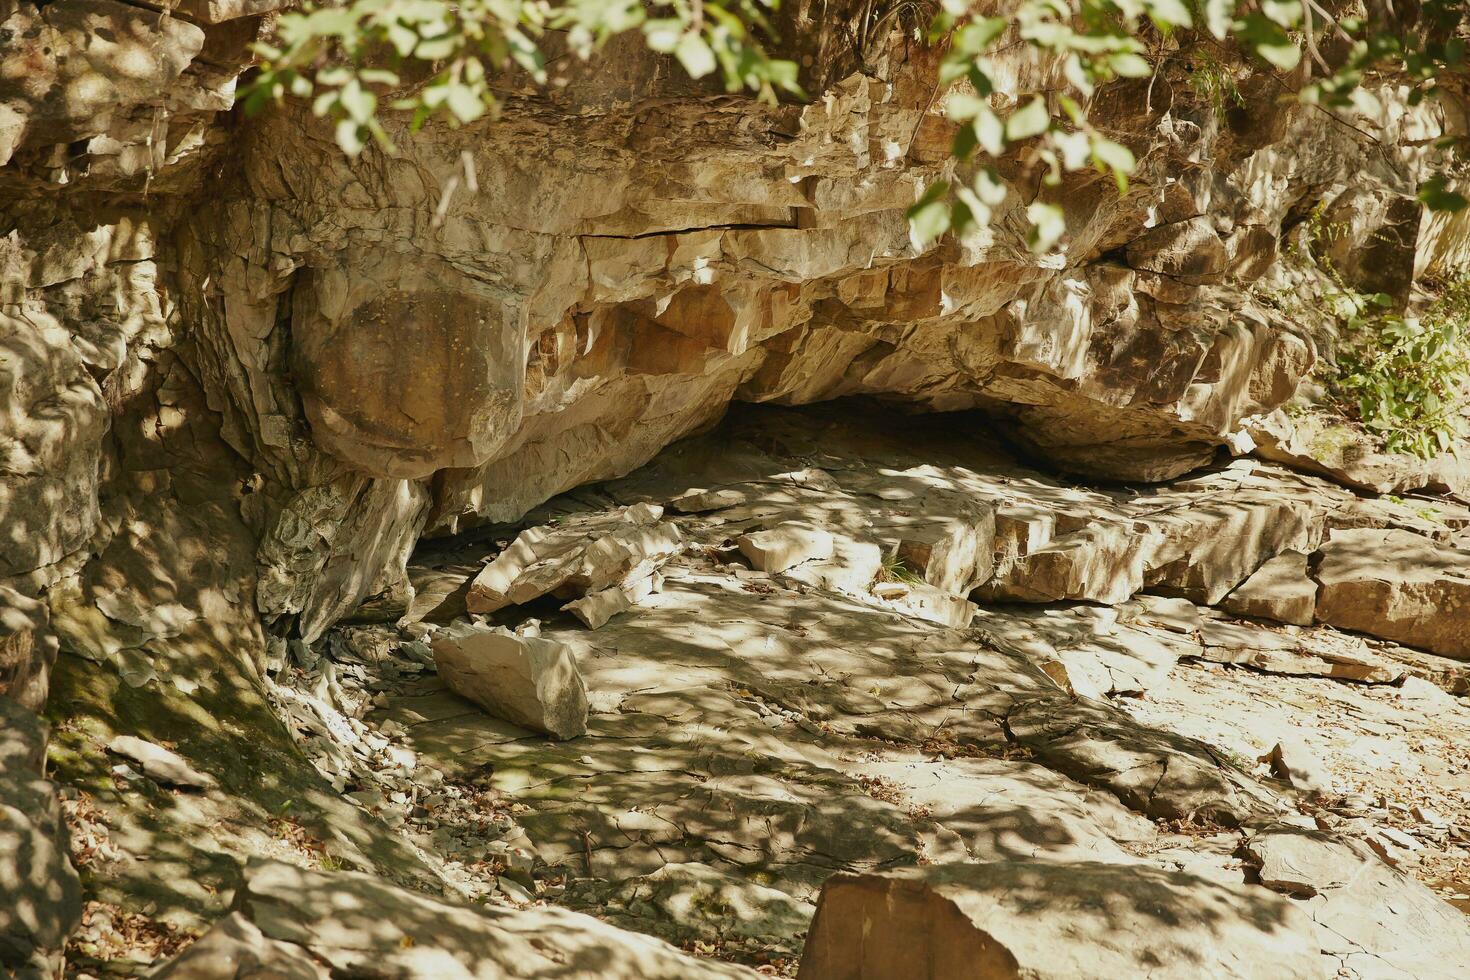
[(218, 317)]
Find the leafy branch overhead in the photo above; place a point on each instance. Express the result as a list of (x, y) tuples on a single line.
[(338, 55), (351, 60)]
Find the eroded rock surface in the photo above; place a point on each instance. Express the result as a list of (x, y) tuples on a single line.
[(40, 893), (274, 425), (1398, 586), (527, 680), (1053, 920)]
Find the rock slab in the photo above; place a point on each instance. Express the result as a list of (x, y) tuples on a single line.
[(527, 680), (1399, 586), (785, 545), (1053, 920), (1279, 590)]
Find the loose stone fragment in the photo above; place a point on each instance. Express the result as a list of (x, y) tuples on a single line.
[(527, 680), (1300, 766), (1279, 590), (159, 763)]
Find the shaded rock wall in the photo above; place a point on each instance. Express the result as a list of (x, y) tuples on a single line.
[(341, 357)]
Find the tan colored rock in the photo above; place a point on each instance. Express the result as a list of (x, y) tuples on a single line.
[(40, 893), (356, 923), (923, 601), (1087, 650), (1197, 537), (581, 557), (233, 949), (1053, 920), (790, 543), (702, 501), (66, 68), (527, 680), (1190, 250), (1398, 586), (1349, 457), (1371, 918), (1280, 590), (27, 649), (1295, 762)]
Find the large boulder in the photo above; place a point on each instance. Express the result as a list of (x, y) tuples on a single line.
[(1053, 920), (527, 680), (1398, 586)]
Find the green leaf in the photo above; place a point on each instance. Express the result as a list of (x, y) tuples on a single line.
[(1218, 16), (1048, 223), (991, 133), (1171, 12), (465, 103), (695, 55), (663, 35), (929, 217), (349, 138), (1030, 120), (358, 102), (1287, 13), (1436, 196), (1115, 157), (1129, 65), (962, 106)]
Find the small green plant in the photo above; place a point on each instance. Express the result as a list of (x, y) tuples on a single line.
[(1405, 378), (1214, 81), (1409, 377), (894, 569)]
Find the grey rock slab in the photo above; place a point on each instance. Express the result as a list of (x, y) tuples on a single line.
[(234, 949), (160, 764), (527, 680), (1054, 920), (360, 925), (1372, 919), (1279, 590)]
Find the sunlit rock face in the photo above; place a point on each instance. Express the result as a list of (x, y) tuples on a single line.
[(362, 333), (415, 344)]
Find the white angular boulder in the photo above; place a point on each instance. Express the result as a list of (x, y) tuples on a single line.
[(526, 680), (785, 545)]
